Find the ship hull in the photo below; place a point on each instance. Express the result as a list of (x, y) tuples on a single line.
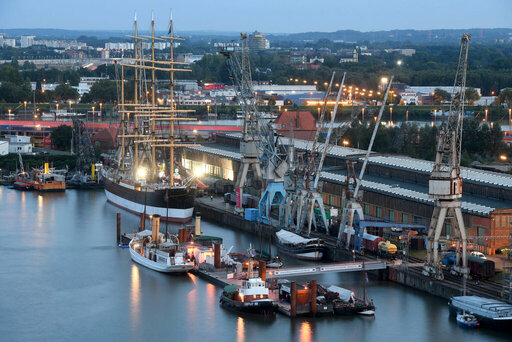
[(180, 201), (304, 253), (260, 308)]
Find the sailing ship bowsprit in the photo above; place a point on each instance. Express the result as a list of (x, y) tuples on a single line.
[(145, 178)]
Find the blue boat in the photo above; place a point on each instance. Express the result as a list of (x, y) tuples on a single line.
[(467, 320)]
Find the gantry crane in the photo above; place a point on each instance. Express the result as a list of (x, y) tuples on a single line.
[(445, 183), (312, 197), (298, 174), (259, 147), (353, 212)]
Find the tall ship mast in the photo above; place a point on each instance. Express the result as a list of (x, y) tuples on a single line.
[(146, 179)]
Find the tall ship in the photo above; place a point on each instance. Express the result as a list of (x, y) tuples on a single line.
[(145, 178)]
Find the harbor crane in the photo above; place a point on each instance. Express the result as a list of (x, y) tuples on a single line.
[(259, 147), (445, 183), (312, 198), (353, 212)]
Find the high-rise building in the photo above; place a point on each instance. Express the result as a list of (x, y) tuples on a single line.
[(27, 41), (257, 42)]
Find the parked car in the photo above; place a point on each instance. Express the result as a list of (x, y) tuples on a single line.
[(478, 254)]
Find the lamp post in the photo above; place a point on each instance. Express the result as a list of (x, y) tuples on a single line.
[(509, 119), (93, 118), (25, 103), (101, 109), (486, 111)]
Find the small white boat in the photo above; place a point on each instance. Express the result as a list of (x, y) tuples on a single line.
[(149, 249), (367, 313)]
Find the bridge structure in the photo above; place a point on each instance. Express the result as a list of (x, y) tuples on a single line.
[(327, 268)]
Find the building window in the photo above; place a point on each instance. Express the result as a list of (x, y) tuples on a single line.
[(481, 232), (405, 218), (367, 209), (378, 212), (391, 215)]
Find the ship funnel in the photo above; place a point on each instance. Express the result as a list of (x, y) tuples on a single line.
[(198, 224), (46, 168), (93, 169), (156, 228), (250, 272)]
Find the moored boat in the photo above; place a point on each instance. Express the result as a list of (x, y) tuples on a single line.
[(252, 297), (149, 248), (345, 302), (466, 320), (145, 177), (489, 312), (298, 246)]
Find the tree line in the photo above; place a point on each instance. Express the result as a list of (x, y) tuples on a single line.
[(480, 141)]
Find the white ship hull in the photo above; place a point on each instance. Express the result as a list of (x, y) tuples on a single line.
[(159, 266)]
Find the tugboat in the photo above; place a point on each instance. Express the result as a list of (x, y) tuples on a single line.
[(150, 249), (45, 181), (252, 297)]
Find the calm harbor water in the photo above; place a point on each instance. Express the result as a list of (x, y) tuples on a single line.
[(63, 278)]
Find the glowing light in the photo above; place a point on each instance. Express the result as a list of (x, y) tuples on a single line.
[(345, 142), (384, 80), (142, 172), (199, 171), (399, 62), (503, 157)]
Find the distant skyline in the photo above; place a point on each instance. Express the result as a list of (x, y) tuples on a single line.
[(269, 16)]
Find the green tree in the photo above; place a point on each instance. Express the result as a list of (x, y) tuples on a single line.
[(65, 92), (471, 95), (61, 137), (505, 97), (102, 91), (440, 96)]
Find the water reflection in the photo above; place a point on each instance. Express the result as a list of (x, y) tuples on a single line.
[(135, 296), (305, 333), (240, 330), (192, 299)]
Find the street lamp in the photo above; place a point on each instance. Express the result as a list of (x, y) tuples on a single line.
[(101, 110), (509, 114), (486, 111), (57, 105), (25, 103), (69, 105), (93, 118)]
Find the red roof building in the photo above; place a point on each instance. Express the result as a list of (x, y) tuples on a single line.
[(302, 123), (106, 139)]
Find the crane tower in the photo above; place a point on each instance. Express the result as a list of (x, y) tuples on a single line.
[(445, 183)]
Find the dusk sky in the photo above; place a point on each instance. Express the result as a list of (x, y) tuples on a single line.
[(270, 16)]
